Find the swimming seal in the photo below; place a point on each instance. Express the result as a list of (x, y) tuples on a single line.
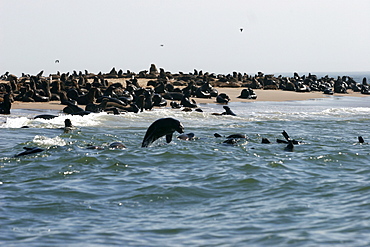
[(290, 145), (186, 137), (45, 116), (162, 127), (29, 151), (265, 141), (117, 145), (227, 111), (361, 140), (67, 125)]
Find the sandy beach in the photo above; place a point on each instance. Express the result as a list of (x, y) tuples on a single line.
[(233, 93)]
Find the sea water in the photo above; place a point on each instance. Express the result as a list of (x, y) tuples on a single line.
[(190, 193)]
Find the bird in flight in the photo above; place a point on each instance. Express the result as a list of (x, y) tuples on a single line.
[(57, 61)]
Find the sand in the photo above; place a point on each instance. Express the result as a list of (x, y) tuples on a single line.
[(233, 93)]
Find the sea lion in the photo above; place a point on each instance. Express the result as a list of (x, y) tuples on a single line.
[(231, 141), (186, 137), (67, 125), (29, 151), (6, 104), (227, 111), (45, 116), (222, 98), (265, 141), (295, 142), (237, 136), (158, 100), (90, 146), (175, 105), (185, 102), (247, 93), (87, 98), (361, 140), (117, 145), (173, 95), (232, 136), (71, 108), (162, 127), (290, 145)]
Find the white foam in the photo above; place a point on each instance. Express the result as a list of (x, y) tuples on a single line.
[(46, 141), (14, 122)]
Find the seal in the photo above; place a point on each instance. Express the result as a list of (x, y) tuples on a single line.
[(186, 137), (222, 98), (162, 127), (361, 140), (265, 141), (227, 111), (247, 93), (67, 125), (185, 102), (74, 109), (29, 151), (290, 146), (231, 141), (237, 136), (117, 145), (45, 116), (6, 105)]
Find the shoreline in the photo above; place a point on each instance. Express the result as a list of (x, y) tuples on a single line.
[(268, 88), (233, 93)]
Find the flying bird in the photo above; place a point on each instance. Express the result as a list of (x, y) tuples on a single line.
[(57, 61), (241, 29)]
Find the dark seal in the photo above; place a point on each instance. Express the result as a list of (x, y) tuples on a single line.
[(29, 151), (162, 127)]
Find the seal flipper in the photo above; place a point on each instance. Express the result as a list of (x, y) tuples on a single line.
[(168, 138), (281, 141), (147, 140), (360, 139), (286, 136)]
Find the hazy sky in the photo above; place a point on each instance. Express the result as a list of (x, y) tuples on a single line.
[(278, 35)]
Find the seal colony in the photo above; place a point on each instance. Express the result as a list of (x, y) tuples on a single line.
[(117, 92), (120, 92)]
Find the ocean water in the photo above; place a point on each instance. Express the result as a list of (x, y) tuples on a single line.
[(190, 193)]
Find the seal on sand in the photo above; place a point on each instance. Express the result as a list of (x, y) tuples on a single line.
[(6, 104), (162, 127)]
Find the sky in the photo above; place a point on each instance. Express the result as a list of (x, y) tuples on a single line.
[(277, 36)]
